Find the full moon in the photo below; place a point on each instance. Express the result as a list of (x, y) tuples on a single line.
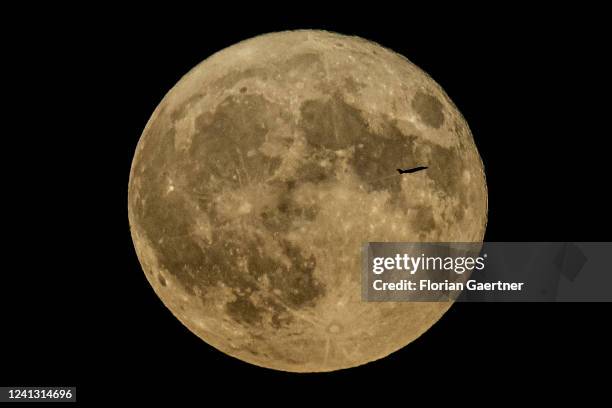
[(264, 170)]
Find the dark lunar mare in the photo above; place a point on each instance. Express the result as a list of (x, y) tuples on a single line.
[(217, 161)]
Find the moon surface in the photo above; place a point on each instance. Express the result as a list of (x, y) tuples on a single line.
[(265, 169)]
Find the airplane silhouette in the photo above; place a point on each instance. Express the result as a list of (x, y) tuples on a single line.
[(414, 170)]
